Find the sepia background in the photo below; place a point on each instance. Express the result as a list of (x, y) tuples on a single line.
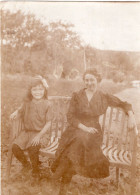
[(59, 41)]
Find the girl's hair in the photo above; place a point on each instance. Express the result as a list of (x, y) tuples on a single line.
[(33, 83), (94, 72)]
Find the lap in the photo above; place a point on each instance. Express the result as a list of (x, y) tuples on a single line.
[(25, 138)]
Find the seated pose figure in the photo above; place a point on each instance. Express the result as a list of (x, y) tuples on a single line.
[(79, 149), (35, 116)]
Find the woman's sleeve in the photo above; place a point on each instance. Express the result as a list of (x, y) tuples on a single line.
[(116, 102), (71, 115)]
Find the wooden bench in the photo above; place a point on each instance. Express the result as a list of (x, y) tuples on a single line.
[(119, 144)]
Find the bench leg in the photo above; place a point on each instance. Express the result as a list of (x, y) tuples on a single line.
[(9, 162), (133, 167), (133, 175), (117, 176)]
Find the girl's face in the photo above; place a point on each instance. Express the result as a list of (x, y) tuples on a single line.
[(38, 92), (90, 82)]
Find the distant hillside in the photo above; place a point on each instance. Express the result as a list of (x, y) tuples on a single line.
[(107, 61)]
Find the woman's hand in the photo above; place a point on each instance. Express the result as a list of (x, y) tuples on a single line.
[(87, 129), (131, 122), (14, 115), (36, 140), (91, 130)]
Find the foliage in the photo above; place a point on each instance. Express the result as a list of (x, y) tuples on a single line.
[(32, 47)]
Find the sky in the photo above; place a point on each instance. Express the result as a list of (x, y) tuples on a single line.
[(103, 25)]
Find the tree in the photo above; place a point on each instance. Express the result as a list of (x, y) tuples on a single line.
[(46, 46)]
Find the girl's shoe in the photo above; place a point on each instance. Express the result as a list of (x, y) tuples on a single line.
[(36, 177), (63, 189), (26, 168)]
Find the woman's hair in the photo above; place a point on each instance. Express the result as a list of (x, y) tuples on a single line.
[(94, 72), (33, 83)]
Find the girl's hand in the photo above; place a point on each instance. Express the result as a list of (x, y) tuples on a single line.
[(14, 115), (36, 140)]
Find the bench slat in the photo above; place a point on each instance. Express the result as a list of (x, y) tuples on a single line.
[(121, 131), (109, 126)]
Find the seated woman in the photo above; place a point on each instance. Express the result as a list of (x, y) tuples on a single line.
[(79, 149)]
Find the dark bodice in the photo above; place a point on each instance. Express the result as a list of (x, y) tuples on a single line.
[(87, 112)]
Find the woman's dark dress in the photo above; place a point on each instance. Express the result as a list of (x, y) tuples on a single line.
[(83, 149)]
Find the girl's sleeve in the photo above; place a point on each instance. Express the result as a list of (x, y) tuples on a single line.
[(21, 110), (49, 112), (116, 102), (71, 115)]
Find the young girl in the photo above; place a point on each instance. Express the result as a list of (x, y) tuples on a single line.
[(35, 115)]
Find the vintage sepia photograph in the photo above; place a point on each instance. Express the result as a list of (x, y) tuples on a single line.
[(70, 98)]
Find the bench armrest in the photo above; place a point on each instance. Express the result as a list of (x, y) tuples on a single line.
[(17, 126)]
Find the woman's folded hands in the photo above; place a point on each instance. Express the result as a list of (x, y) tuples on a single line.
[(87, 129)]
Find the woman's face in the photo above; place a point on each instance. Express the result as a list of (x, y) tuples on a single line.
[(38, 92), (90, 82)]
